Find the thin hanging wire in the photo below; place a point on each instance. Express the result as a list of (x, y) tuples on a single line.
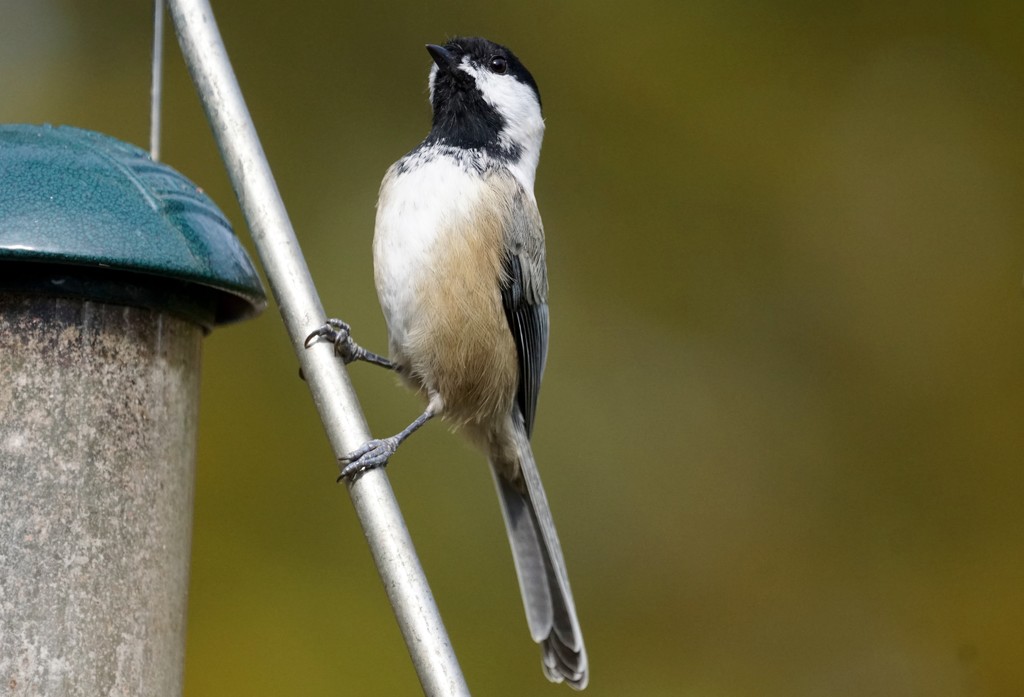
[(156, 89)]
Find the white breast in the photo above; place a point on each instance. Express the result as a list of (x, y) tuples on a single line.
[(416, 206)]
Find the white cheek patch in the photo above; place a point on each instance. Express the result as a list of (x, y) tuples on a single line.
[(517, 103)]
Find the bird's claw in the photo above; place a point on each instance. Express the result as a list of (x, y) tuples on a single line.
[(338, 333), (370, 455)]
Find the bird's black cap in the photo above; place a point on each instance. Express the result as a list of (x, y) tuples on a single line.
[(481, 52)]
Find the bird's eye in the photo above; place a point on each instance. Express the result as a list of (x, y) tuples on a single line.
[(499, 65)]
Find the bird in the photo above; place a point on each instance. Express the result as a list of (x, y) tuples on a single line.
[(460, 272)]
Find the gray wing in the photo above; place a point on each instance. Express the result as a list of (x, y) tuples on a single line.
[(524, 290), (540, 567)]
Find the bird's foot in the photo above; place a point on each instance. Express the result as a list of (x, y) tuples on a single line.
[(339, 333), (370, 455)]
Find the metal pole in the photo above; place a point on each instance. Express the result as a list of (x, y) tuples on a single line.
[(156, 87), (290, 281)]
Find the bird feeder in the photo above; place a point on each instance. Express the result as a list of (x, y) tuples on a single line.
[(112, 269)]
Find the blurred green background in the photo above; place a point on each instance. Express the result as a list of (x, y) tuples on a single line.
[(781, 426)]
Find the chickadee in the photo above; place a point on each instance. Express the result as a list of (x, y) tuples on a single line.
[(459, 267)]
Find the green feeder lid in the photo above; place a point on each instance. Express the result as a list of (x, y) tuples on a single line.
[(85, 215)]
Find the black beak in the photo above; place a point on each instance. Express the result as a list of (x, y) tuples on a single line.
[(442, 57)]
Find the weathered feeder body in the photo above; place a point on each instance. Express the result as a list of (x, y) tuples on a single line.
[(112, 269)]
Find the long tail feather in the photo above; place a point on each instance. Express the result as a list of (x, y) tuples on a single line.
[(543, 581)]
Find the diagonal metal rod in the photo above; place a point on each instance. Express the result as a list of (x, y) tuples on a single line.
[(292, 285)]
